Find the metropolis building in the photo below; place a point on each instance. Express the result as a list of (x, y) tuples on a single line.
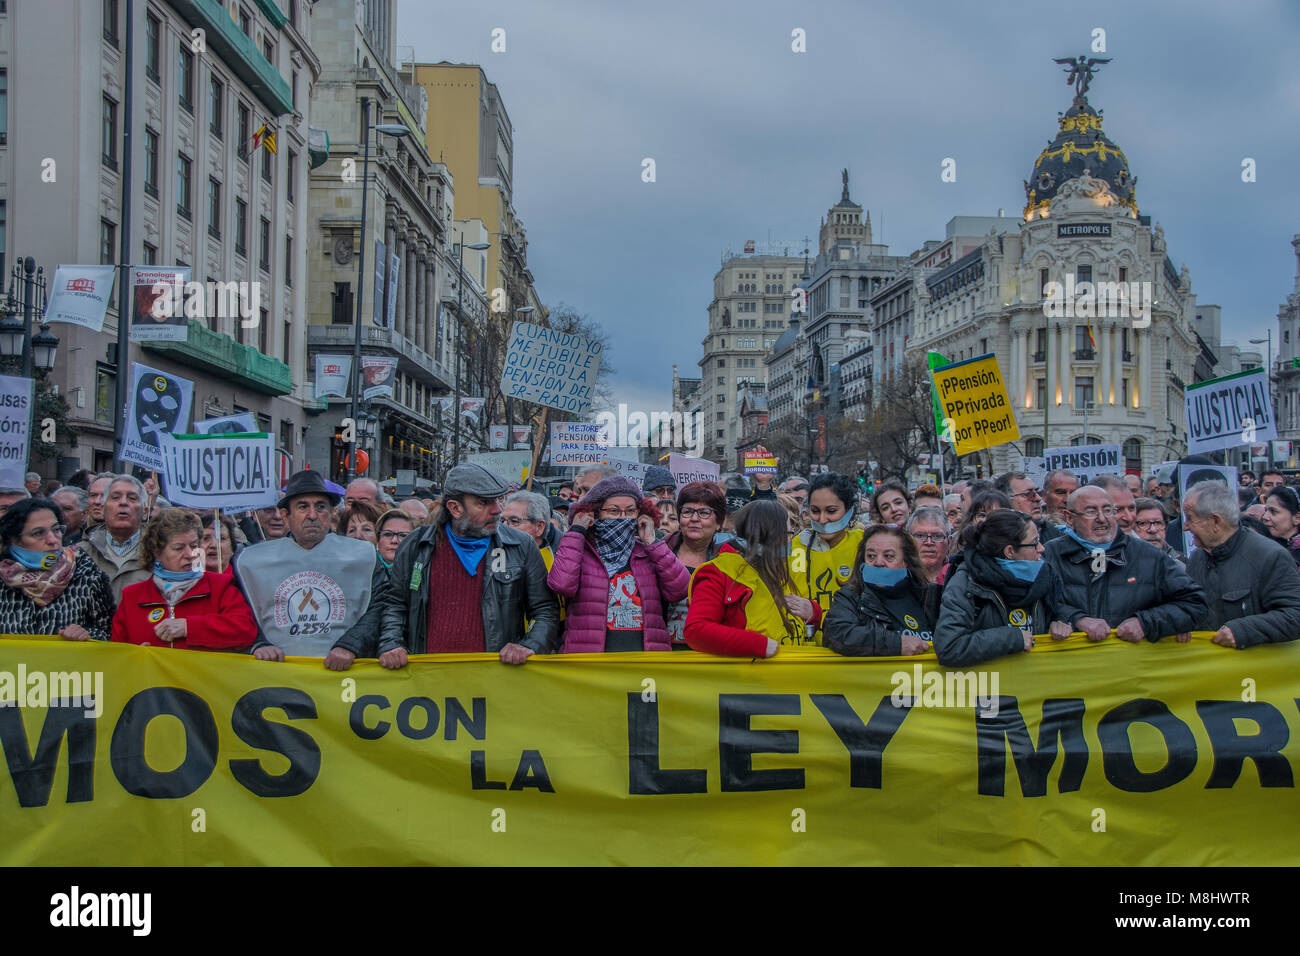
[(1119, 360)]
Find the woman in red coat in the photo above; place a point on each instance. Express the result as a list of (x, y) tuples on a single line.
[(182, 605)]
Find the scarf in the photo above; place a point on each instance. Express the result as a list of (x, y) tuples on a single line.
[(42, 586), (614, 539), (470, 550), (1017, 593), (173, 585), (1089, 546)]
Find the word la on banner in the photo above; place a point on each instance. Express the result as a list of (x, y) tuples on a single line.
[(976, 408), (653, 759)]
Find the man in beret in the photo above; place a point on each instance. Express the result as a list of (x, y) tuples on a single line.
[(468, 583), (313, 594)]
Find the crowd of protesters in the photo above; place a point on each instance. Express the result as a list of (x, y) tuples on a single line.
[(973, 571)]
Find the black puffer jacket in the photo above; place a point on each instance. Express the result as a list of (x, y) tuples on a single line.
[(1252, 586), (984, 609), (871, 622), (508, 595), (1137, 580)]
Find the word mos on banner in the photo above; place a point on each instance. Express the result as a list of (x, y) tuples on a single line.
[(654, 759)]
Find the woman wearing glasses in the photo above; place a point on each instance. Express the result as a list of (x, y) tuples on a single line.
[(617, 578), (390, 531), (930, 529), (1001, 594), (49, 589), (701, 509), (889, 607)]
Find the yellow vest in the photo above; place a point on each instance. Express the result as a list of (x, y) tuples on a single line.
[(818, 575), (548, 559), (761, 612)]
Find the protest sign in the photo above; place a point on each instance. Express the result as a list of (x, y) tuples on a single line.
[(550, 367), (976, 409), (757, 463), (79, 295), (579, 443), (333, 372), (1229, 411), (235, 471), (159, 404), (627, 462), (378, 375), (1034, 468), (1189, 475), (521, 436), (1281, 451), (226, 425), (158, 303), (15, 429), (1085, 462), (509, 465), (686, 469), (471, 408)]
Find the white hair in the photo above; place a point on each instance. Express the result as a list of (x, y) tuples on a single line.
[(1214, 498)]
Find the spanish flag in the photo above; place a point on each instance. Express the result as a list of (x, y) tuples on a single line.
[(1092, 343), (264, 137)]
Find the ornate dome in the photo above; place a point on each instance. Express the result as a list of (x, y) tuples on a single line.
[(1080, 147)]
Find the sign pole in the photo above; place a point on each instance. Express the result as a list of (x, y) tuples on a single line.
[(537, 446), (216, 536)]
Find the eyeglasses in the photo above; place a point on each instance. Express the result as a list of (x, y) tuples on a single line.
[(37, 534), (702, 513), (627, 513), (1029, 544), (1092, 513), (1032, 494), (393, 535), (1148, 525), (929, 537)]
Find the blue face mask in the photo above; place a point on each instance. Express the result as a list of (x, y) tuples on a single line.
[(882, 577), (1026, 571), (833, 527), (1088, 545), (34, 560), (175, 577)]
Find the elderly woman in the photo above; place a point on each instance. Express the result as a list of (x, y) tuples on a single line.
[(888, 608), (391, 530), (619, 580), (701, 509), (180, 604), (929, 528), (358, 521), (49, 589), (217, 553)]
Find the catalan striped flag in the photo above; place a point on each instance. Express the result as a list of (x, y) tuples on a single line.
[(264, 137)]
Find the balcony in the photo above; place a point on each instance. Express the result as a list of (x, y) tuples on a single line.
[(1084, 355), (1040, 357), (1128, 356), (340, 338), (213, 352), (239, 52)]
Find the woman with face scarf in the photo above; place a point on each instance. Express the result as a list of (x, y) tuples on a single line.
[(888, 608), (822, 557), (617, 578), (181, 604), (1282, 519), (1000, 595), (49, 589)]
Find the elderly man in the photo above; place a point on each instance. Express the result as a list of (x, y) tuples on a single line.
[(115, 544), (530, 513), (1134, 484), (1022, 491), (98, 490), (264, 524), (32, 482), (1058, 485), (796, 486), (10, 496), (587, 477), (417, 509), (364, 489), (1121, 497), (72, 502), (313, 594), (1114, 581), (1149, 524), (1250, 582), (466, 584), (953, 509)]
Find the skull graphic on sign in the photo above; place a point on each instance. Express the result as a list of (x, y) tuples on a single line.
[(158, 407)]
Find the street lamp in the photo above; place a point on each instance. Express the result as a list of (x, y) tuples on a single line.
[(388, 129), (16, 339), (460, 320)]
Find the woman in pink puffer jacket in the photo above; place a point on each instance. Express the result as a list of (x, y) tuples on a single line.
[(616, 577)]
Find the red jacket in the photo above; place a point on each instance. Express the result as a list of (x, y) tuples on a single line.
[(716, 622), (216, 615)]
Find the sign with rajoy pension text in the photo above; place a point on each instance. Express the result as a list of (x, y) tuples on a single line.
[(579, 443), (550, 367), (235, 472), (15, 429), (1085, 462), (976, 408), (650, 759), (1230, 411)]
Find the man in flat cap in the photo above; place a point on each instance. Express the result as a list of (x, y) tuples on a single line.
[(314, 594), (466, 583)]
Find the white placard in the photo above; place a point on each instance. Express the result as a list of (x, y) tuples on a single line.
[(333, 372), (1032, 466), (521, 437), (235, 472), (159, 404), (625, 461), (550, 367), (497, 436), (1085, 462), (15, 429), (509, 465), (79, 295), (1228, 412), (579, 443), (686, 469)]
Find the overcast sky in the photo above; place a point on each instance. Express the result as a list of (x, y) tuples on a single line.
[(748, 137)]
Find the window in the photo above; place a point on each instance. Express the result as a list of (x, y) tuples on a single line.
[(288, 261), (1133, 455), (244, 132), (342, 313), (214, 208), (241, 227), (266, 163), (3, 219), (1040, 389), (110, 21), (1083, 391), (1042, 282), (151, 163), (722, 363), (104, 387), (1123, 274), (1040, 345), (1034, 447), (1082, 347), (722, 380), (1082, 274), (1124, 400), (288, 175), (268, 48), (263, 324), (284, 347), (264, 246), (107, 242), (182, 186), (293, 88), (152, 46), (185, 78), (4, 106), (150, 257), (245, 23), (108, 133), (216, 102)]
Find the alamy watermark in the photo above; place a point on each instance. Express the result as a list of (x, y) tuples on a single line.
[(23, 688), (935, 688), (217, 300), (1099, 300), (657, 429)]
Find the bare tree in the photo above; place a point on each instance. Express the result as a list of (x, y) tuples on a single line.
[(899, 427)]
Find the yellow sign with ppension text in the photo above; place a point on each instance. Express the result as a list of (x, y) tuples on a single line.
[(976, 409), (1072, 754)]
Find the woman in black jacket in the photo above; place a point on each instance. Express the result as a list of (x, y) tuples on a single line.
[(1000, 595), (887, 607)]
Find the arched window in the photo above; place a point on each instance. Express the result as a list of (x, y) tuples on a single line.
[(1133, 455), (1034, 447)]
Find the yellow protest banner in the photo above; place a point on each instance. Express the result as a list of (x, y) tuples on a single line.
[(1110, 753), (976, 410)]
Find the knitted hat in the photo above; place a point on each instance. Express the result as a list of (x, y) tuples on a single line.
[(611, 487), (657, 476)]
